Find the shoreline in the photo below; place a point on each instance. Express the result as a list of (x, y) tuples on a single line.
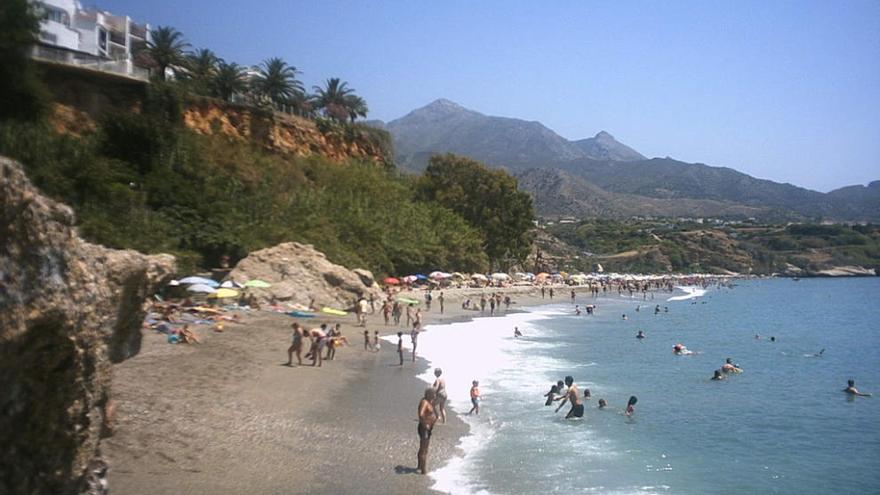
[(227, 416)]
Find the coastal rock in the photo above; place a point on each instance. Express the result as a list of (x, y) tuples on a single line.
[(67, 310), (846, 271), (299, 273)]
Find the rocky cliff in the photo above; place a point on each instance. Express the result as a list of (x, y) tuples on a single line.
[(285, 133), (67, 310), (299, 274)]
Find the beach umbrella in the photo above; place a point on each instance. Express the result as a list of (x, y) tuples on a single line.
[(419, 276), (409, 278), (256, 283), (199, 280), (391, 281), (458, 275), (479, 276), (201, 288), (222, 293), (174, 283), (436, 274), (500, 276), (231, 284)]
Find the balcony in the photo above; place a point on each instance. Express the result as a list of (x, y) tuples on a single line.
[(57, 55)]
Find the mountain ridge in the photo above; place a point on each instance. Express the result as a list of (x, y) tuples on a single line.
[(612, 168)]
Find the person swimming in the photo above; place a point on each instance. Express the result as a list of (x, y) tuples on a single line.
[(730, 367), (602, 404), (819, 354), (551, 395), (640, 335), (630, 405), (516, 332), (853, 391), (718, 375), (587, 394), (624, 317), (681, 350)]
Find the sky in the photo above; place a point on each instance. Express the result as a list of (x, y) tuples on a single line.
[(782, 90)]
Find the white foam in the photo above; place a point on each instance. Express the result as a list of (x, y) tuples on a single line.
[(689, 293), (485, 350)]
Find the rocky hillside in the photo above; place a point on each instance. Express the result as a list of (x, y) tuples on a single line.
[(444, 126), (67, 309), (614, 180)]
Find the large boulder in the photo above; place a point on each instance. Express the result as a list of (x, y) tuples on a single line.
[(67, 310), (299, 274)]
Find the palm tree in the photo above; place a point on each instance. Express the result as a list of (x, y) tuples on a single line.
[(357, 107), (166, 48), (228, 80), (338, 101), (277, 81), (201, 66)]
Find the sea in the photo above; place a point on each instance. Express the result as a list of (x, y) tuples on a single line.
[(782, 426)]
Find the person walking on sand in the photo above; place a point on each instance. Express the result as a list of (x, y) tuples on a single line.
[(577, 407), (542, 292), (414, 338), (376, 343), (417, 319), (386, 311), (483, 303), (551, 292), (362, 307), (296, 345), (409, 314), (367, 340), (440, 391), (441, 299), (572, 296), (427, 418), (400, 347), (475, 398), (396, 312), (492, 305), (428, 298), (319, 339)]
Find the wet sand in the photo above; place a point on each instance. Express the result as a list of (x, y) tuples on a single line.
[(227, 416)]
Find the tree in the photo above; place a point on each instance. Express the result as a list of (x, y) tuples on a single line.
[(277, 81), (228, 80), (338, 101), (23, 96), (487, 199), (165, 48)]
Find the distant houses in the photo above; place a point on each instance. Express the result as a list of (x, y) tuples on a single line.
[(90, 38)]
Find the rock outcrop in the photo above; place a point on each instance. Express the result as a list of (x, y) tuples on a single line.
[(299, 273), (67, 310)]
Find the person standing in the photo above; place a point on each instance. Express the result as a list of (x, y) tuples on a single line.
[(400, 346), (427, 418), (414, 338), (475, 398), (572, 296), (483, 303), (551, 292), (409, 314), (296, 345), (386, 311), (428, 298), (440, 394), (396, 312), (571, 395), (542, 292), (417, 319), (440, 299)]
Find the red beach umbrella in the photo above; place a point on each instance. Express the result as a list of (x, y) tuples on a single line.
[(391, 281)]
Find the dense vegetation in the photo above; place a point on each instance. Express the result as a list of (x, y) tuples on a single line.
[(22, 94), (146, 182), (658, 246), (486, 198)]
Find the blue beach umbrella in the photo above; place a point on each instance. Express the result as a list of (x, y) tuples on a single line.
[(419, 276)]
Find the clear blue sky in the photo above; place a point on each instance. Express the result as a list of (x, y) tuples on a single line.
[(784, 90)]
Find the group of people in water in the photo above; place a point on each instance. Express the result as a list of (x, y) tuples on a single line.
[(566, 391)]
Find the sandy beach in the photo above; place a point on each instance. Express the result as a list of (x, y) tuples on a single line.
[(227, 415)]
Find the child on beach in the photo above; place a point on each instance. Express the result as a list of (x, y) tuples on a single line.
[(475, 398), (400, 346), (551, 395), (366, 340), (376, 341)]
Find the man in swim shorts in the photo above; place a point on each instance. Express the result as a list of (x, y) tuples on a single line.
[(427, 417), (852, 390), (572, 395)]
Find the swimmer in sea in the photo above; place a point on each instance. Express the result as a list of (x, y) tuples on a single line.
[(852, 390), (718, 375), (577, 309), (587, 394), (602, 404), (624, 317), (577, 407), (819, 354), (640, 335), (551, 395), (516, 332), (681, 350), (630, 406), (729, 367), (772, 339)]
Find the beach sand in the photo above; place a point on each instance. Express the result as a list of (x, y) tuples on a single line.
[(227, 416)]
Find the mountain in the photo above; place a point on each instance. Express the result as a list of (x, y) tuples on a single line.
[(606, 178), (604, 147), (446, 127)]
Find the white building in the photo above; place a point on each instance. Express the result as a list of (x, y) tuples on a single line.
[(71, 34)]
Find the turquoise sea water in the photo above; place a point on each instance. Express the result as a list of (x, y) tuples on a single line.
[(781, 427)]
